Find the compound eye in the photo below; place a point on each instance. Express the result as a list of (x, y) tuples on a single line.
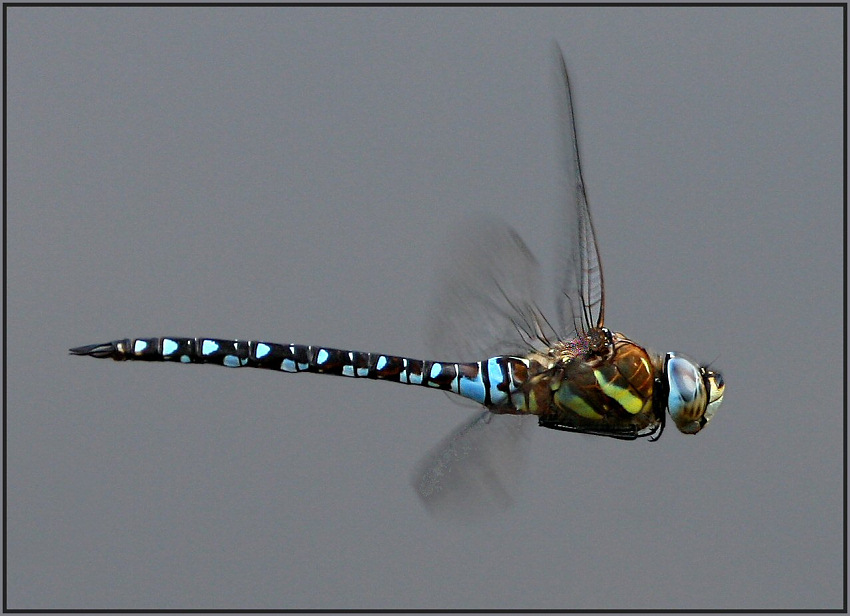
[(684, 378), (686, 398)]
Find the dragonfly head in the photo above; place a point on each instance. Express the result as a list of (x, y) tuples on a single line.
[(693, 393)]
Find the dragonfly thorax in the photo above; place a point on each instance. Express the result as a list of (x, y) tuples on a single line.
[(601, 383)]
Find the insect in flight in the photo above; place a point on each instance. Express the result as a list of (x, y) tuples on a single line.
[(576, 375)]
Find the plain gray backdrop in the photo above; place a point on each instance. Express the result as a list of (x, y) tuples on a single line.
[(290, 174)]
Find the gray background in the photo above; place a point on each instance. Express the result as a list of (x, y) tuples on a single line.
[(290, 174)]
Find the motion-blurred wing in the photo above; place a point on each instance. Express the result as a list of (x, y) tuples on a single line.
[(581, 306), (485, 302), (484, 306), (476, 470)]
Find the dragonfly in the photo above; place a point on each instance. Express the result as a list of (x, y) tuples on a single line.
[(573, 375)]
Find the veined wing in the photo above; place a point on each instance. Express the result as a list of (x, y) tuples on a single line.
[(486, 302), (484, 307), (581, 305)]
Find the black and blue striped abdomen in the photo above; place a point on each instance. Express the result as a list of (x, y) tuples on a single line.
[(496, 382)]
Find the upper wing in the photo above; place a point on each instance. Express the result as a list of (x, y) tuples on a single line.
[(581, 305), (485, 302)]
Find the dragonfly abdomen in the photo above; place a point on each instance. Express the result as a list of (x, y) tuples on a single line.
[(493, 382)]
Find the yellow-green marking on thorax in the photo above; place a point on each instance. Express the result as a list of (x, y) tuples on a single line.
[(566, 398), (625, 396)]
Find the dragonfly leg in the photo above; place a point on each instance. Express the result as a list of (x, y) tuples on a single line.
[(625, 433)]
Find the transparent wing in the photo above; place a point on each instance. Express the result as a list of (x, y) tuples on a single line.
[(476, 470), (485, 304), (581, 305)]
